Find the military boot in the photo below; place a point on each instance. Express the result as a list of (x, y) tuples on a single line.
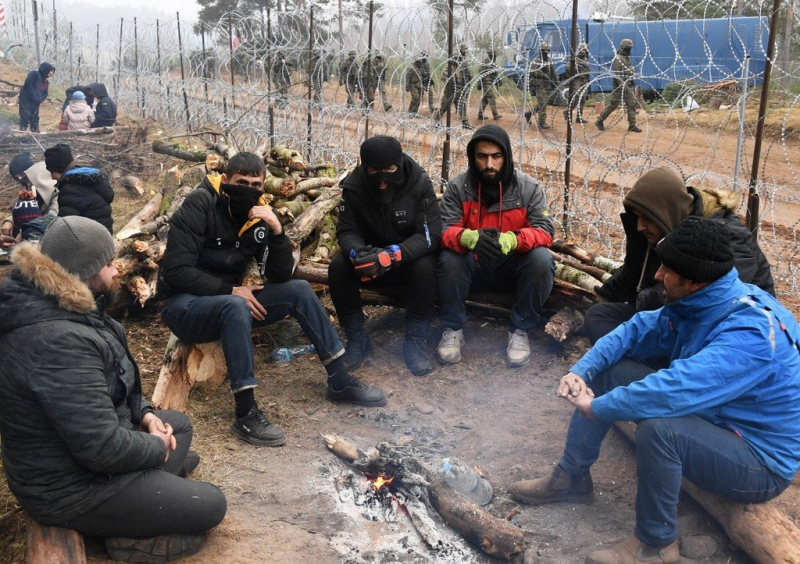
[(556, 486), (358, 347), (528, 115), (543, 125), (414, 347), (634, 129), (600, 125)]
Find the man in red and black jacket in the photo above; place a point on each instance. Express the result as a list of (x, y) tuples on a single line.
[(496, 229)]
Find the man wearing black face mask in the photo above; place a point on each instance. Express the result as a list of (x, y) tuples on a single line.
[(496, 229), (389, 231), (218, 229), (623, 72)]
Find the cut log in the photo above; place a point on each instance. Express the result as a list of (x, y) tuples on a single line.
[(292, 206), (280, 187), (145, 215), (308, 221), (53, 545), (184, 366), (141, 288), (179, 151), (226, 151), (598, 273), (311, 184), (563, 323), (576, 277), (327, 244), (288, 157), (760, 529), (585, 257), (132, 184), (342, 448)]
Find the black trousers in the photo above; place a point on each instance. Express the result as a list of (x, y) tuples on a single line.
[(601, 319), (418, 277), (158, 502)]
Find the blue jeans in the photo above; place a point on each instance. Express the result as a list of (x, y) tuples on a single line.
[(226, 318), (529, 275), (713, 458)]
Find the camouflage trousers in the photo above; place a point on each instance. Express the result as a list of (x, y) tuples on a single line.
[(417, 92), (579, 95), (543, 97), (369, 99), (351, 92), (622, 94), (459, 98), (488, 99)]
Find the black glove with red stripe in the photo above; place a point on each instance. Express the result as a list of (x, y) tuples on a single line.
[(372, 263)]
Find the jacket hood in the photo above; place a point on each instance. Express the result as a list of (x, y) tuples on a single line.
[(40, 178), (45, 68), (99, 89), (40, 290), (714, 200), (78, 106), (496, 135), (662, 197), (722, 290)]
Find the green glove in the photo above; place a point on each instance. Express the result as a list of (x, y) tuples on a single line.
[(469, 238), (508, 242)]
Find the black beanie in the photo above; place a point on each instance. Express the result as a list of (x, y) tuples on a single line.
[(58, 158), (20, 164), (381, 152), (698, 249)]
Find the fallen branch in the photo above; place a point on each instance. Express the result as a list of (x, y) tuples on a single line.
[(585, 257), (563, 323), (576, 277), (179, 151), (145, 215)]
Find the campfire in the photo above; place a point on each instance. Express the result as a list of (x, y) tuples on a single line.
[(380, 481)]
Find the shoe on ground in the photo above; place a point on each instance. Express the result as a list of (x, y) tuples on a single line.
[(518, 352), (449, 348), (257, 430), (498, 116), (191, 462), (544, 126), (154, 550), (466, 125), (528, 117), (634, 551), (558, 485), (581, 120), (358, 393), (599, 124), (358, 348), (480, 116), (634, 129), (416, 356)]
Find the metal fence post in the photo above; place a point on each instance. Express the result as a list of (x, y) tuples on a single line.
[(183, 77), (233, 74), (450, 83), (71, 75), (570, 101), (270, 109), (365, 94), (119, 60), (310, 68)]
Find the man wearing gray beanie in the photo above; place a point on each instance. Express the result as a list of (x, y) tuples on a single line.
[(724, 413), (82, 448)]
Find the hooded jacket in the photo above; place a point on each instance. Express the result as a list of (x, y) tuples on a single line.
[(635, 282), (85, 191), (71, 90), (71, 394), (34, 90), (78, 115), (411, 220), (207, 254), (105, 113), (45, 189), (521, 206), (734, 361)]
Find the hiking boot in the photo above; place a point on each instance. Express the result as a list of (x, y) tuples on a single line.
[(466, 125), (256, 430), (189, 464), (358, 348), (449, 349), (497, 116), (558, 485), (480, 116), (154, 550), (634, 129), (634, 551), (518, 352), (416, 355), (544, 126), (599, 124), (528, 117), (581, 120), (358, 393)]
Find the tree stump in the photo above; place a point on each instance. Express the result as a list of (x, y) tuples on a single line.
[(53, 545)]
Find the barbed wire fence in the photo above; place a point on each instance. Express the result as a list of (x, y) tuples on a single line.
[(277, 75)]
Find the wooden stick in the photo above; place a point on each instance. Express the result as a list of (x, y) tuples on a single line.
[(598, 273)]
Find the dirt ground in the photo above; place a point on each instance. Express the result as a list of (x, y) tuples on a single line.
[(287, 504)]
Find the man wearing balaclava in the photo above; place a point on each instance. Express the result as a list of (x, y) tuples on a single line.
[(623, 71), (389, 232), (497, 228), (220, 227)]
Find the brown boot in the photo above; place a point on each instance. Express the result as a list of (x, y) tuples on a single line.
[(634, 551), (556, 486)]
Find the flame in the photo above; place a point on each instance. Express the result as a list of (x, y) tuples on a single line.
[(381, 480)]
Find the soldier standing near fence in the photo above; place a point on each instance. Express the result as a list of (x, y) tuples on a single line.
[(543, 82), (418, 80), (623, 72), (375, 79), (489, 80), (456, 87), (348, 76), (320, 73), (580, 79), (282, 77)]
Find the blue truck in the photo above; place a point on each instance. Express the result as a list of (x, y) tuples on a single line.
[(664, 51)]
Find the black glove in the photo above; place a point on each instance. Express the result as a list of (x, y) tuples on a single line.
[(488, 246), (650, 298), (372, 264)]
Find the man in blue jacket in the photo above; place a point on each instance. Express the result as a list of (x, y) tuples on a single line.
[(725, 413), (32, 94)]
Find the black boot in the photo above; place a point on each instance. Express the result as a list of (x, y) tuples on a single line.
[(528, 117), (358, 348), (415, 349)]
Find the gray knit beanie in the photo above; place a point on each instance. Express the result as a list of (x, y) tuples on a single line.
[(81, 245)]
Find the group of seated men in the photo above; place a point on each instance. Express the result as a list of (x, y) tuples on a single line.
[(689, 342)]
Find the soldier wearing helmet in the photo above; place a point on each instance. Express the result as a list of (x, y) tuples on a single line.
[(623, 72), (348, 76), (489, 80), (542, 82), (281, 77), (580, 78), (456, 79), (418, 80), (374, 78)]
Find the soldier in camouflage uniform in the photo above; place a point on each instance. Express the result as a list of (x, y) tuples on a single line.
[(543, 81), (489, 80), (580, 90), (374, 79), (281, 77), (418, 80), (348, 77), (623, 72), (320, 73), (456, 80)]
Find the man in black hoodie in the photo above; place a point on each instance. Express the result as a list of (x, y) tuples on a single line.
[(213, 236), (105, 113), (32, 94), (389, 231)]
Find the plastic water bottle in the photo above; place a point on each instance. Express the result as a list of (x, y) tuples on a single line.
[(284, 355), (466, 480)]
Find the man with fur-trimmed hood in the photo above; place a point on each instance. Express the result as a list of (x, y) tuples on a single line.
[(654, 207)]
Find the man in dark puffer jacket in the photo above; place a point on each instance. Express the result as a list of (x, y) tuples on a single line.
[(105, 113), (82, 190), (82, 449), (654, 207)]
